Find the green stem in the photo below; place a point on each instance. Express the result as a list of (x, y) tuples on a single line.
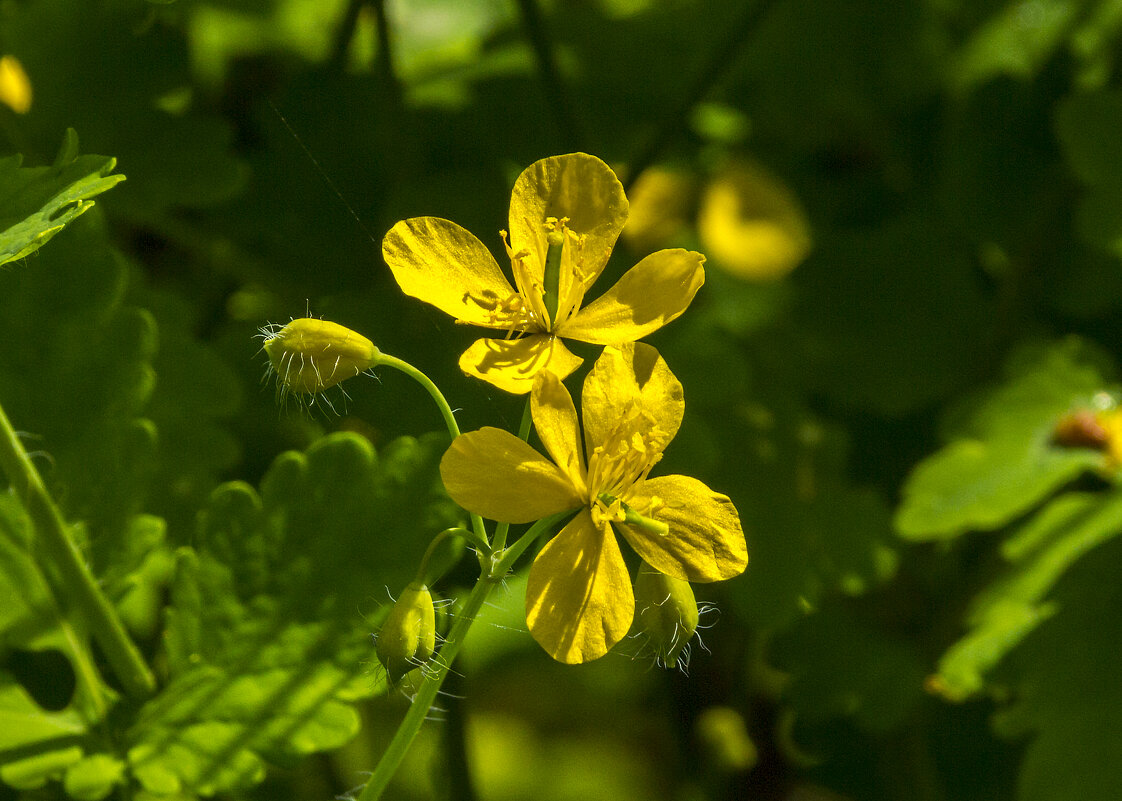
[(50, 530), (445, 411), (456, 531), (720, 61), (523, 434), (506, 559), (426, 694), (552, 86)]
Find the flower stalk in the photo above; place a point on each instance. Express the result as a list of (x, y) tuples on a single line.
[(50, 530), (426, 693)]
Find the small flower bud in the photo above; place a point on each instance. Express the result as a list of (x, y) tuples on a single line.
[(408, 637), (723, 737), (310, 355), (666, 612)]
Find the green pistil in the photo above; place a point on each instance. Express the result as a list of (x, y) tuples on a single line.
[(552, 297), (634, 519)]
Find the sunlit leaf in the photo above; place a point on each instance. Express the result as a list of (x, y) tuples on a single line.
[(38, 202), (1002, 460)]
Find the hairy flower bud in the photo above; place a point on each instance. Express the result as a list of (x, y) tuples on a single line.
[(310, 355), (408, 637), (666, 612)]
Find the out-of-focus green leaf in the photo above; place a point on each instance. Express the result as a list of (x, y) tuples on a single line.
[(76, 374), (1016, 41), (810, 532), (174, 161), (887, 320), (1013, 605), (94, 777), (38, 202), (37, 743), (1002, 461), (842, 668), (1084, 125), (1065, 690)]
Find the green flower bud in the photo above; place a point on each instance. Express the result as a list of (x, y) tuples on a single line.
[(724, 739), (310, 355), (408, 637), (666, 611)]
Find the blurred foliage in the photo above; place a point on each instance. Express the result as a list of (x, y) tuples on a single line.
[(914, 275)]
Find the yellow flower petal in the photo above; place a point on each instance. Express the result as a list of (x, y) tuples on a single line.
[(495, 474), (705, 542), (555, 420), (631, 373), (579, 601), (443, 264), (648, 296), (511, 364), (578, 186)]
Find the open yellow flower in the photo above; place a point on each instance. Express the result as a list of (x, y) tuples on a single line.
[(579, 600), (567, 210)]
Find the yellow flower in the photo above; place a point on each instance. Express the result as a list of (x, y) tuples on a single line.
[(579, 600), (15, 86), (570, 208), (753, 225)]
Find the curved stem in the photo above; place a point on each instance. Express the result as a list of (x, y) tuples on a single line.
[(719, 62), (523, 434), (507, 558), (422, 701), (552, 85), (50, 530), (445, 411)]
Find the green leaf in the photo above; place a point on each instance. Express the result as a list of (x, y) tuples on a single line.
[(36, 743), (1002, 461), (94, 777), (266, 642), (840, 667), (76, 374), (38, 202), (1038, 555), (1064, 685), (1016, 42), (1084, 125)]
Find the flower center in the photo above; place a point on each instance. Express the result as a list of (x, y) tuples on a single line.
[(623, 460), (510, 312)]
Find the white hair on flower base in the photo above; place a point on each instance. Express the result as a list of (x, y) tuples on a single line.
[(309, 356)]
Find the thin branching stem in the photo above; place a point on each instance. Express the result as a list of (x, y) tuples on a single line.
[(523, 434), (426, 694), (554, 88), (446, 413), (720, 60)]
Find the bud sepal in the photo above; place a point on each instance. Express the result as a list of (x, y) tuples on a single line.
[(407, 638)]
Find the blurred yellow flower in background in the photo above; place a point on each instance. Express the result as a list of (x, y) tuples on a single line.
[(662, 201), (752, 225), (15, 86), (570, 208)]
